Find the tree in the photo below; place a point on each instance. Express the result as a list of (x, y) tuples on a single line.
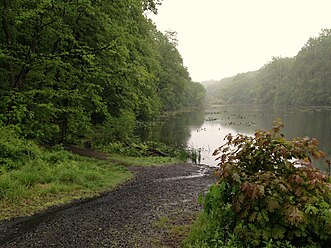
[(302, 80), (68, 67)]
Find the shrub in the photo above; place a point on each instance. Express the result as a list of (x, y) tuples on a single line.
[(269, 191), (14, 151)]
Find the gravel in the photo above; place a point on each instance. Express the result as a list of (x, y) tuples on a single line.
[(124, 217)]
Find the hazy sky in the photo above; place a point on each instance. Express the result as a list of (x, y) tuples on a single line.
[(220, 38)]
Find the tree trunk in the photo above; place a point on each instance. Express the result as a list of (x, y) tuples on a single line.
[(9, 40)]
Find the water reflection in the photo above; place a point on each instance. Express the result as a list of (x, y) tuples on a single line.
[(205, 130), (299, 122), (174, 130)]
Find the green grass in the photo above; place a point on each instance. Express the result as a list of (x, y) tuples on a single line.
[(143, 161), (58, 177), (201, 233), (40, 183), (33, 178), (173, 228), (205, 233)]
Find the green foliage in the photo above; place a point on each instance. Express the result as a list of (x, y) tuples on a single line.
[(302, 80), (143, 161), (146, 150), (71, 68), (175, 87), (43, 178), (14, 152), (206, 233), (114, 130), (39, 184), (269, 193), (195, 155), (32, 178)]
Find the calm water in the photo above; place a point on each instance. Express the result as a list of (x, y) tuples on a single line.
[(206, 129)]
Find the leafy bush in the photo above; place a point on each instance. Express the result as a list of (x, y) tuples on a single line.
[(14, 151), (57, 156), (269, 193), (136, 148), (114, 129)]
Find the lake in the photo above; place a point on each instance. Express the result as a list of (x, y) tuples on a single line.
[(206, 129)]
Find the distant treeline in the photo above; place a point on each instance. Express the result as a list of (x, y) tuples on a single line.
[(302, 80), (78, 69)]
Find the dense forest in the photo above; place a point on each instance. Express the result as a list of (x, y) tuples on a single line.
[(72, 69), (302, 80)]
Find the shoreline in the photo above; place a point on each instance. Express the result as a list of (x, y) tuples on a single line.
[(155, 199)]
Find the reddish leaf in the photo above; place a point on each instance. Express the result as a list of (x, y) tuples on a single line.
[(315, 142), (282, 187), (245, 186), (295, 216), (298, 179), (255, 192)]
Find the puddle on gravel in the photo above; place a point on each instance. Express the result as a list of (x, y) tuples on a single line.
[(202, 171)]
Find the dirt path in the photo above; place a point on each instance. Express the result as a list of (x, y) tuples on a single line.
[(150, 211)]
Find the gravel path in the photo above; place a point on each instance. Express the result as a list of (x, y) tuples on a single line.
[(132, 215)]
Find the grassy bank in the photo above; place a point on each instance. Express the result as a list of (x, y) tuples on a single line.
[(143, 161), (33, 178), (41, 183)]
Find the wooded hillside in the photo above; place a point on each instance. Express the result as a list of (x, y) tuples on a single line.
[(69, 69), (302, 80)]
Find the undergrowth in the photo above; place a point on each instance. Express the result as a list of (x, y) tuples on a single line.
[(143, 149), (143, 161), (269, 194)]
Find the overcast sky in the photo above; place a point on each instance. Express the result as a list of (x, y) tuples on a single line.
[(220, 38)]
